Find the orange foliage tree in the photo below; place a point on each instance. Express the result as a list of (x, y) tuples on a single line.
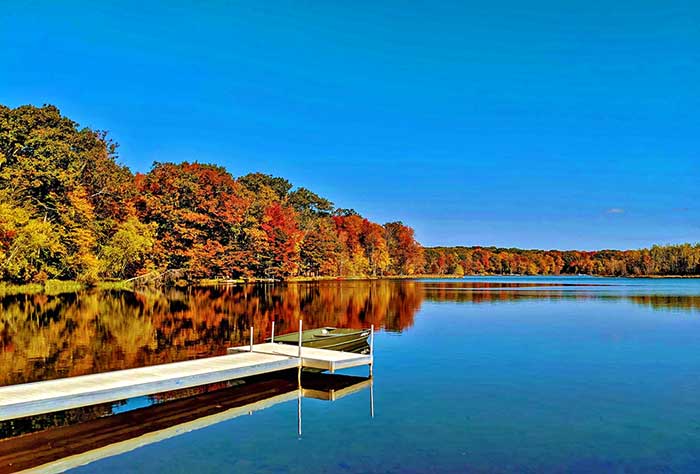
[(195, 208)]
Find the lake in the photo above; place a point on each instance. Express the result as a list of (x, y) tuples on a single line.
[(482, 375)]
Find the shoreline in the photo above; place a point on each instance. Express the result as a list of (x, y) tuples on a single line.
[(52, 287)]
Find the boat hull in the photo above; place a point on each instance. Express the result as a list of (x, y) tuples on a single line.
[(347, 340)]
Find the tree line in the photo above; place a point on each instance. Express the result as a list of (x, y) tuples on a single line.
[(682, 260), (69, 210)]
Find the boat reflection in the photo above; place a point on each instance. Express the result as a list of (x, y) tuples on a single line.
[(67, 445)]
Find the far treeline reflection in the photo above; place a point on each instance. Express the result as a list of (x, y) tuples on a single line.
[(50, 336)]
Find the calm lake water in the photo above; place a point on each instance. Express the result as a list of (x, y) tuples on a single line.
[(483, 375)]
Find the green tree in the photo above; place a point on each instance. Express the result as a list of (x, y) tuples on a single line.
[(309, 206), (29, 247), (128, 251), (65, 176), (259, 183)]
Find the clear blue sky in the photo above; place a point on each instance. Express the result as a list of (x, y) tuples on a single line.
[(548, 124)]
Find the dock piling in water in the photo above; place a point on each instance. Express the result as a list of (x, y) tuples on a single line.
[(299, 397), (301, 362), (371, 349), (300, 338)]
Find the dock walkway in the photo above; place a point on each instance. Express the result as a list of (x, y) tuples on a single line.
[(311, 358), (61, 394)]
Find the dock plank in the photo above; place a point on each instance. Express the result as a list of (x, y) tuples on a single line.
[(314, 358), (72, 392)]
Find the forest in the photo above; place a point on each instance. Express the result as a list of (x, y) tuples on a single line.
[(678, 260), (70, 211)]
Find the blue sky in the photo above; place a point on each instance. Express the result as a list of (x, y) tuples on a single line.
[(541, 124)]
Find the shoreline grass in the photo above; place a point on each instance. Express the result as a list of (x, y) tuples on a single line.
[(49, 287), (57, 287)]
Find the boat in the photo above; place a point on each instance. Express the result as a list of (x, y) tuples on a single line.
[(338, 339)]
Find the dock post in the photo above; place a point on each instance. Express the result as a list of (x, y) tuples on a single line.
[(371, 349), (272, 338), (251, 339), (299, 371), (300, 338), (371, 397)]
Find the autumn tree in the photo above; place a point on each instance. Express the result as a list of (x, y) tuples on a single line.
[(255, 240), (321, 249), (194, 208), (375, 247), (405, 254), (283, 236), (353, 259)]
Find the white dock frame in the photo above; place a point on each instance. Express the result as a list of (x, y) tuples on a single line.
[(35, 398)]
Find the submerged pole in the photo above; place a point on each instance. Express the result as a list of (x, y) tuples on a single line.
[(251, 339), (272, 338), (371, 397), (299, 397)]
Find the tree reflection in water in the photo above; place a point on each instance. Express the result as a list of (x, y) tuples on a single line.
[(44, 337)]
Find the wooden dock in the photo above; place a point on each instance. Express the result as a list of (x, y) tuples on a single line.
[(35, 398)]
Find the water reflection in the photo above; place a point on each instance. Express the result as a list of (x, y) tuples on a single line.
[(44, 337), (684, 297), (84, 435)]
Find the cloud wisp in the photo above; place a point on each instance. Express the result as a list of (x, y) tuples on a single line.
[(615, 210)]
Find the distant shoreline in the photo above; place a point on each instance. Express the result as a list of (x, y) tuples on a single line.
[(458, 277)]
